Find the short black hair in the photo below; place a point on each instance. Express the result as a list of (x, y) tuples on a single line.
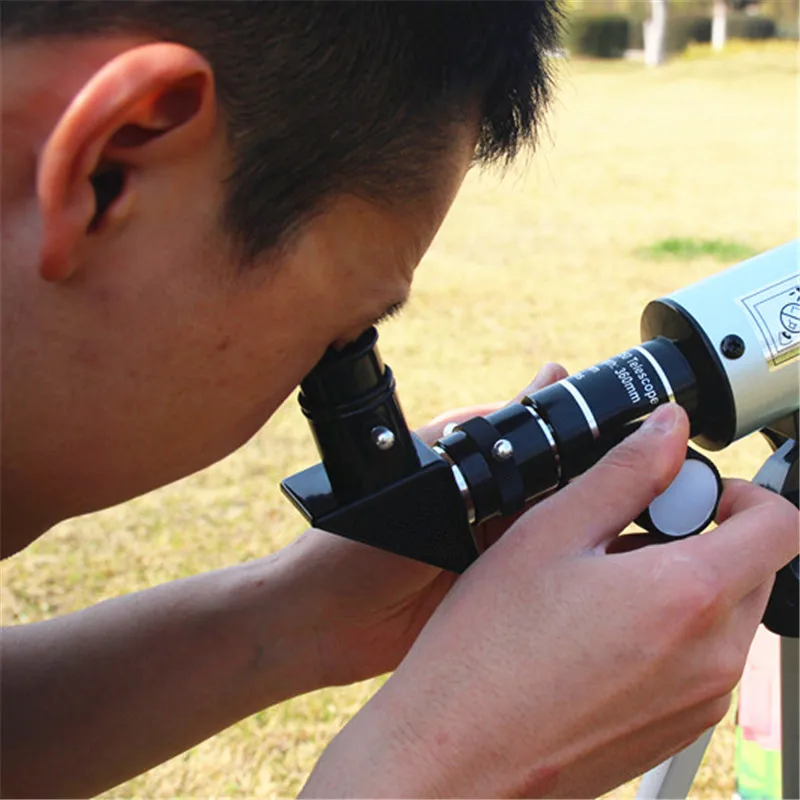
[(324, 98)]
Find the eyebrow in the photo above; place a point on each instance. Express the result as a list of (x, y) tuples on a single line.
[(392, 311)]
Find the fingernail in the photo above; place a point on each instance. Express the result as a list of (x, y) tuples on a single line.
[(662, 420)]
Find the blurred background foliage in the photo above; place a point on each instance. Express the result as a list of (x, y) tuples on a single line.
[(615, 28)]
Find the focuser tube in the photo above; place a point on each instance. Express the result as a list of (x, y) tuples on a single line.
[(528, 449), (506, 459), (589, 411)]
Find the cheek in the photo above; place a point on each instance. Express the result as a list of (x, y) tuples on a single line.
[(237, 378)]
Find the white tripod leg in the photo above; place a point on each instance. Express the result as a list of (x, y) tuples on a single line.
[(673, 778)]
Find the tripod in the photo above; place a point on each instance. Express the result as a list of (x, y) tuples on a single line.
[(673, 778)]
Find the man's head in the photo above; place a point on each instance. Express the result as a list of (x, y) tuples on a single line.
[(198, 198)]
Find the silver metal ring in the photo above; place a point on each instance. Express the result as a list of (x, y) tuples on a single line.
[(548, 435), (584, 407), (460, 482), (662, 376)]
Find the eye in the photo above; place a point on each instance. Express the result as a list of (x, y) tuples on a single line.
[(393, 310), (107, 183)]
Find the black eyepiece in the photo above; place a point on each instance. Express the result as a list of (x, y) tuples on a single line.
[(349, 400), (344, 376)]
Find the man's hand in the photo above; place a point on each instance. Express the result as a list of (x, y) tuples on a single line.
[(555, 668), (373, 604)]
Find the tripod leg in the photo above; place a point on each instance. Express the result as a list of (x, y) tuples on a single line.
[(673, 778), (790, 735)]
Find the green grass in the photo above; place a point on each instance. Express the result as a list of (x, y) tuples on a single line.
[(538, 266), (685, 249)]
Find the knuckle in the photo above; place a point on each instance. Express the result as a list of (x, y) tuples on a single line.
[(773, 509), (743, 497), (729, 673), (720, 675), (742, 493), (724, 672), (783, 516), (714, 711)]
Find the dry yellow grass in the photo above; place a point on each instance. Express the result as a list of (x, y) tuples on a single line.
[(537, 266)]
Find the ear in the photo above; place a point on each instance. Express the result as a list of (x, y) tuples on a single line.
[(147, 105)]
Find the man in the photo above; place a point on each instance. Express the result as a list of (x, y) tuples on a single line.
[(200, 198)]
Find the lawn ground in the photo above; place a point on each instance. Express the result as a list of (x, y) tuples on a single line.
[(539, 265)]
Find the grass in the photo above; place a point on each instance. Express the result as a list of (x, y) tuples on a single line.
[(724, 250), (538, 266)]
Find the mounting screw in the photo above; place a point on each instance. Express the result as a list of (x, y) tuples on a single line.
[(382, 437), (502, 450), (732, 346), (449, 429)]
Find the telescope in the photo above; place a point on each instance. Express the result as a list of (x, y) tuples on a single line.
[(726, 349)]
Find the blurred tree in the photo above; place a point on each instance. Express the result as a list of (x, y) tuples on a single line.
[(785, 12), (719, 24), (655, 33)]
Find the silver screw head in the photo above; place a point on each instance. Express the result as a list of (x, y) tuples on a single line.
[(382, 437), (449, 429), (502, 449)]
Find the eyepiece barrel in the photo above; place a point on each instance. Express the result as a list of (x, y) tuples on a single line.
[(350, 402), (344, 377)]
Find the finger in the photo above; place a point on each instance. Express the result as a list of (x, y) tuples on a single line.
[(760, 533), (549, 373), (740, 494), (597, 505), (435, 429)]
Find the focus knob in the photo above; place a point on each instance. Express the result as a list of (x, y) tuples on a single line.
[(689, 503)]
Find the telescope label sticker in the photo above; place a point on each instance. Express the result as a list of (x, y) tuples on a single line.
[(774, 312)]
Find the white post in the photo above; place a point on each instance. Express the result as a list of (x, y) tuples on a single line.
[(719, 25), (655, 31)]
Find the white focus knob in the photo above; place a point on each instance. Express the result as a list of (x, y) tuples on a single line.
[(689, 503)]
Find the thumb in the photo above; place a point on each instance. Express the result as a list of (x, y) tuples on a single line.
[(597, 505)]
